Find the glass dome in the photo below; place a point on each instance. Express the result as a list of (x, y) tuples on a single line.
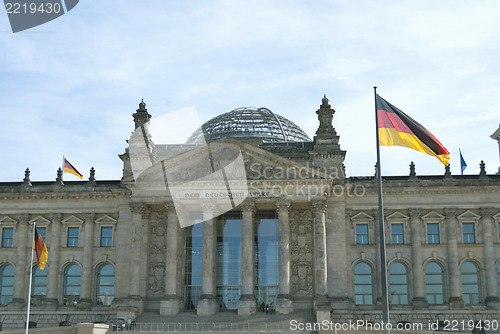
[(260, 123)]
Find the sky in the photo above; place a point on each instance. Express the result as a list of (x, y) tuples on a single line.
[(70, 86)]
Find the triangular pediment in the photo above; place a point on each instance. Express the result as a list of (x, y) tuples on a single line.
[(241, 160), (362, 217), (8, 221), (40, 220), (497, 217), (105, 220), (397, 216), (72, 220), (433, 215), (469, 215)]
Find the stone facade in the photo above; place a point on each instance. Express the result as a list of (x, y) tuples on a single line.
[(326, 225)]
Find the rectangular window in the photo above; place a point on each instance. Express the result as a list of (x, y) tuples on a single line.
[(397, 234), (469, 233), (7, 237), (433, 233), (106, 236), (73, 236), (362, 234)]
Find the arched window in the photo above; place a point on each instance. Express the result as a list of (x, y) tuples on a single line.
[(6, 284), (434, 283), (470, 283), (398, 283), (39, 286), (72, 282), (363, 284), (105, 286)]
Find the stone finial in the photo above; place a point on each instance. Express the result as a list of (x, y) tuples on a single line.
[(141, 115), (482, 171), (413, 174), (324, 102), (447, 172), (92, 176), (325, 117), (59, 178), (26, 180)]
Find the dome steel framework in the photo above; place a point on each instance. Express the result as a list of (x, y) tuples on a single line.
[(248, 122)]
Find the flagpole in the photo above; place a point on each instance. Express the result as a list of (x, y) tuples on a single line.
[(31, 278), (383, 269)]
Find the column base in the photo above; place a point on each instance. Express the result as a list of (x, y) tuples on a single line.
[(493, 303), (323, 314), (17, 304), (419, 303), (247, 305), (207, 305), (128, 308), (456, 303), (51, 304), (284, 304), (321, 302), (84, 304), (170, 306)]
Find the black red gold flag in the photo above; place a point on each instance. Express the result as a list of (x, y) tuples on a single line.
[(395, 128), (68, 168), (40, 250)]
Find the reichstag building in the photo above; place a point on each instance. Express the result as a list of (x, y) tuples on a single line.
[(250, 211)]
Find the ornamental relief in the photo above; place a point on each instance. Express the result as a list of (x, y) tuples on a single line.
[(302, 252), (156, 252)]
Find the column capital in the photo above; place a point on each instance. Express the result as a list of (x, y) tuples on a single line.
[(56, 217), (23, 218), (487, 213), (248, 207), (138, 207), (174, 208), (209, 207), (450, 212), (319, 204), (283, 204), (415, 213), (89, 217)]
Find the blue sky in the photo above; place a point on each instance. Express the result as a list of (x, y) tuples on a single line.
[(70, 86)]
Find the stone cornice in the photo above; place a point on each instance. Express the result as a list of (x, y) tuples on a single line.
[(62, 195)]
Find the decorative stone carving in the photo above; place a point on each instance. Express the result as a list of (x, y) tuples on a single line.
[(156, 251), (302, 250)]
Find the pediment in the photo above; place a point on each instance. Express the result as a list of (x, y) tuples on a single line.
[(40, 220), (8, 221), (240, 162), (469, 215), (362, 217), (106, 219), (497, 217), (397, 216), (72, 220), (433, 215)]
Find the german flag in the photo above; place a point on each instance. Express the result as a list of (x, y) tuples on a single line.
[(395, 128), (68, 168), (40, 250)]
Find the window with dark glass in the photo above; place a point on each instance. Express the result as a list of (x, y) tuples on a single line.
[(471, 291), (469, 233), (7, 237), (363, 284), (73, 233), (434, 283), (362, 234), (397, 234), (105, 287), (229, 231), (106, 236), (6, 284), (72, 282), (398, 283), (266, 258), (193, 264), (433, 233), (39, 285)]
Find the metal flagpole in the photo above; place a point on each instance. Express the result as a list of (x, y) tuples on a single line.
[(31, 278), (383, 270)]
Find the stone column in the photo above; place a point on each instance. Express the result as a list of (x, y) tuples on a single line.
[(419, 301), (172, 303), (138, 210), (247, 305), (456, 301), (21, 274), (320, 269), (489, 260), (88, 261), (207, 304), (284, 302), (53, 292)]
